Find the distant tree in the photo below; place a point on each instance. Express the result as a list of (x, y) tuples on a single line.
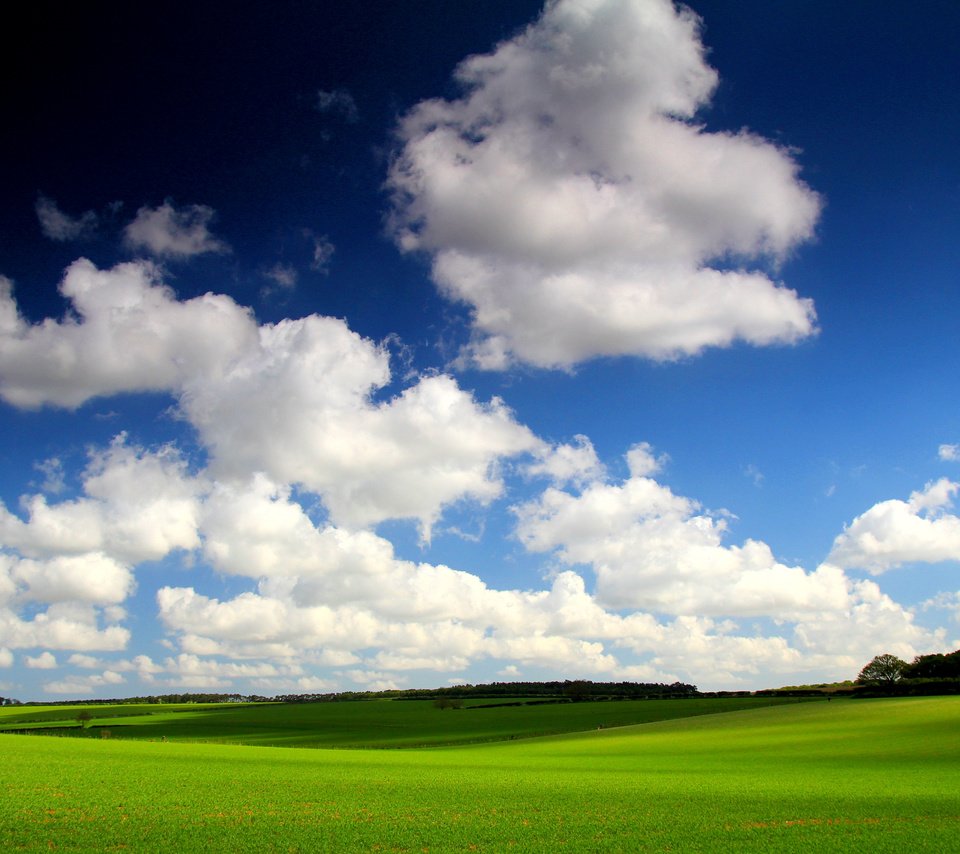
[(884, 669), (442, 703), (84, 718)]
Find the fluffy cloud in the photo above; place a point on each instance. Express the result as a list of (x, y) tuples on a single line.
[(127, 332), (575, 463), (56, 225), (658, 551), (950, 453), (176, 233), (44, 661), (896, 532), (570, 199), (315, 422), (64, 625), (137, 506), (317, 425)]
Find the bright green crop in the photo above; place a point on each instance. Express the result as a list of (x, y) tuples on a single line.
[(867, 775)]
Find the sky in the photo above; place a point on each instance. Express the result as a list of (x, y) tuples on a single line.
[(382, 345)]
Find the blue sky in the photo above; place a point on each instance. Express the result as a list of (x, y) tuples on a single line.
[(421, 343)]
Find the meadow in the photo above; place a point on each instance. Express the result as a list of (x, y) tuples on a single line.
[(361, 724), (849, 775)]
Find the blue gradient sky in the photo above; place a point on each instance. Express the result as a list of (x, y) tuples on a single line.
[(427, 429)]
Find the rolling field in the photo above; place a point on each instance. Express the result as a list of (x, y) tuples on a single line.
[(382, 723), (866, 775)]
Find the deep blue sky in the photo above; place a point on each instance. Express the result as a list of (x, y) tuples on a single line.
[(788, 511)]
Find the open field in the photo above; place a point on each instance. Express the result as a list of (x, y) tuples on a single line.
[(379, 723), (867, 775)]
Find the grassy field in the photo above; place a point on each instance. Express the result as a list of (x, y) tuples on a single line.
[(864, 775), (373, 724)]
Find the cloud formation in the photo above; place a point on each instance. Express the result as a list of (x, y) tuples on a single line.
[(573, 202)]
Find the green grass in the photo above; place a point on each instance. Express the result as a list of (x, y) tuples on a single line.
[(381, 723), (866, 775)]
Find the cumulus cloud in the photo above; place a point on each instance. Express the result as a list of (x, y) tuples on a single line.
[(64, 625), (313, 379), (137, 505), (896, 532), (59, 226), (126, 332), (658, 551), (573, 202), (44, 661), (949, 453), (174, 233)]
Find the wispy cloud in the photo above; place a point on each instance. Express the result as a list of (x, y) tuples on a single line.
[(59, 226), (177, 233)]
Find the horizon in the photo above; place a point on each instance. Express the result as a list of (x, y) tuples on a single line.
[(346, 349)]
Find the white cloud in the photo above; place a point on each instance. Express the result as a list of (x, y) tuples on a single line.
[(896, 532), (137, 505), (56, 225), (176, 233), (44, 661), (316, 425), (315, 422), (126, 332), (572, 201), (575, 463), (658, 551), (6, 657), (64, 625), (93, 578), (949, 453), (54, 476)]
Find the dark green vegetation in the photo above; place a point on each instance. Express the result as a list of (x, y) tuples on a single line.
[(866, 775), (376, 723), (926, 674)]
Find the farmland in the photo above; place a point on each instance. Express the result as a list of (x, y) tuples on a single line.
[(879, 775)]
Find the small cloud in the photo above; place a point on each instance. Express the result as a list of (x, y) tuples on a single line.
[(510, 671), (59, 226), (754, 474), (169, 232), (283, 279), (323, 250), (949, 453), (338, 101), (44, 661)]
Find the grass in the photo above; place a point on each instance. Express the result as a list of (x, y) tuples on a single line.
[(867, 775), (370, 724)]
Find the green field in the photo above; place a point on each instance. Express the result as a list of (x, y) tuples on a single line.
[(850, 775), (382, 723)]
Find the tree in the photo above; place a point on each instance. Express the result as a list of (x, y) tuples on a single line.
[(84, 718), (884, 669)]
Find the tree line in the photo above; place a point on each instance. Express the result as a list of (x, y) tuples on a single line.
[(938, 673)]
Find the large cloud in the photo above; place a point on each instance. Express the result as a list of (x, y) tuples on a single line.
[(570, 199), (293, 399)]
